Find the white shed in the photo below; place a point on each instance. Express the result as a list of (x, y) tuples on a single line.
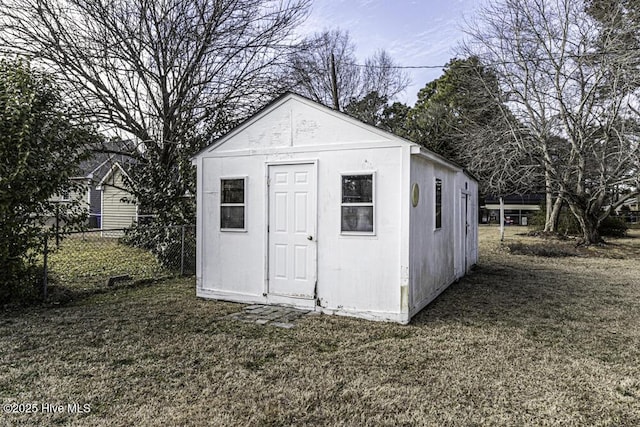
[(304, 206)]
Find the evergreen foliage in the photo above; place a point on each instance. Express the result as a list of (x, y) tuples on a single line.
[(41, 145)]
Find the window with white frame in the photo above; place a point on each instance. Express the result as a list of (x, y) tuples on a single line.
[(357, 208), (438, 204), (233, 203)]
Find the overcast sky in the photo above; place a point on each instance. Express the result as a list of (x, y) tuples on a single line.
[(413, 32)]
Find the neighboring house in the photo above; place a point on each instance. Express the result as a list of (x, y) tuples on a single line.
[(98, 166), (304, 206), (103, 192), (69, 196), (88, 196), (119, 209), (518, 208)]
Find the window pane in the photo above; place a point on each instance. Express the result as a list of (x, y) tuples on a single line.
[(233, 191), (232, 217), (357, 189), (357, 218), (438, 203)]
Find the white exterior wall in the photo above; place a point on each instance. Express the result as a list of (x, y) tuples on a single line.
[(356, 274), (384, 276), (360, 273), (231, 263), (432, 250), (79, 195), (441, 256)]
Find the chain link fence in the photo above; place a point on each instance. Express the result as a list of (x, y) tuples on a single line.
[(81, 262)]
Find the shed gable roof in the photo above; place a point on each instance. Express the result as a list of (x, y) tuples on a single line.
[(292, 120)]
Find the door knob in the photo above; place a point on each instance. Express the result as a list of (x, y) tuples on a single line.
[(309, 237)]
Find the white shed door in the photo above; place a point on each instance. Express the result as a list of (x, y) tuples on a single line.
[(292, 219), (464, 231)]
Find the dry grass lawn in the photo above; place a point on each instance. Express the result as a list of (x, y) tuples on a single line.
[(525, 340), (85, 262)]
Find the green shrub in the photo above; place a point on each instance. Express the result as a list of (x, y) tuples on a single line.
[(568, 224), (538, 219), (42, 141), (22, 284), (613, 226)]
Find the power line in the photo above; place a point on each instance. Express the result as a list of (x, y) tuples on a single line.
[(588, 55)]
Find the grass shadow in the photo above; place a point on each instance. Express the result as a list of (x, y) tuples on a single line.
[(517, 294)]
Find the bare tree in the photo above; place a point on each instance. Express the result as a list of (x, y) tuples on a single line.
[(312, 71), (462, 115), (312, 66), (168, 74), (567, 81), (381, 75)]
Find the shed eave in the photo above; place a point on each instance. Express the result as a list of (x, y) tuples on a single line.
[(420, 151)]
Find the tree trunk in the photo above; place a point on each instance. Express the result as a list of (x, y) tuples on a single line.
[(588, 225), (590, 233), (553, 213), (552, 208), (554, 218), (548, 209)]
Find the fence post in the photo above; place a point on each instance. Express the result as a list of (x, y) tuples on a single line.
[(46, 272), (182, 254), (58, 225)]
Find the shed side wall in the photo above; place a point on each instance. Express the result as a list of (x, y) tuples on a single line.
[(432, 251)]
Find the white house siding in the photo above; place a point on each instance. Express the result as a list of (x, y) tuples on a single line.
[(115, 212), (354, 272), (232, 261), (432, 250), (79, 194)]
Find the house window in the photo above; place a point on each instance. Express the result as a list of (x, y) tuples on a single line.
[(357, 203), (438, 205), (232, 204), (65, 196)]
